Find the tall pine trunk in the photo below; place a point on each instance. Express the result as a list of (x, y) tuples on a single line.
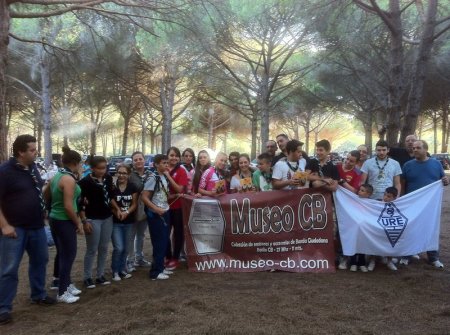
[(4, 31), (46, 106)]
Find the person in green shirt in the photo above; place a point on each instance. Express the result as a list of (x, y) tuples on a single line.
[(262, 178), (65, 222)]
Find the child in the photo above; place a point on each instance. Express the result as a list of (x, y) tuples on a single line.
[(262, 178), (390, 194), (155, 197), (359, 260)]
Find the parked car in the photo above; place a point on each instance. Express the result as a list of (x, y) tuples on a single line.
[(148, 161), (444, 159), (114, 161)]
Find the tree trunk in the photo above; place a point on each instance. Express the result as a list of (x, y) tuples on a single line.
[(435, 124), (264, 109), (93, 146), (167, 88), (415, 96), (444, 144), (396, 75), (4, 31), (39, 130), (126, 130), (144, 132), (254, 125), (46, 106), (211, 144)]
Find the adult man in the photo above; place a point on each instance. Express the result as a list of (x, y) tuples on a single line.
[(284, 175), (381, 171), (363, 156), (402, 155), (418, 173), (22, 211), (282, 140), (350, 178), (271, 148)]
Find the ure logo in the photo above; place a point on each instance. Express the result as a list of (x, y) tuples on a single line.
[(393, 222)]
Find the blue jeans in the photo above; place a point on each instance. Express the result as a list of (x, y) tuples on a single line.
[(121, 236), (159, 233), (34, 241)]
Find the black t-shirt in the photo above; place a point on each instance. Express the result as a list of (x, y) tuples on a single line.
[(123, 200), (401, 155), (276, 158), (328, 170), (97, 205)]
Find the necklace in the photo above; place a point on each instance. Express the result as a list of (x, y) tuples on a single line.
[(381, 169)]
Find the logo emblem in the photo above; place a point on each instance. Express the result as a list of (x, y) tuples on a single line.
[(393, 222)]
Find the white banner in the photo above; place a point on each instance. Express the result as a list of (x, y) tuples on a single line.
[(407, 226)]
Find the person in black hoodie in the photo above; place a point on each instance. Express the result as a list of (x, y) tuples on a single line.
[(96, 216)]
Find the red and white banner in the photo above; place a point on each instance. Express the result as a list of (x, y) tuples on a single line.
[(245, 232)]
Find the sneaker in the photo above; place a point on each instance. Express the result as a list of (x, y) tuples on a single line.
[(438, 264), (142, 263), (47, 301), (102, 281), (125, 275), (404, 261), (391, 266), (54, 285), (394, 260), (67, 298), (72, 289), (342, 263), (89, 283), (171, 265), (116, 277), (371, 265), (416, 257), (353, 268), (167, 272), (161, 276), (363, 268), (130, 268), (5, 318)]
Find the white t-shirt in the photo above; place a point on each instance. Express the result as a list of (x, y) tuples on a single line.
[(160, 197), (282, 171), (381, 176)]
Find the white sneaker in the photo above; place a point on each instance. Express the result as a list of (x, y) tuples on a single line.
[(371, 265), (116, 277), (353, 268), (67, 298), (161, 276), (438, 264), (168, 272), (363, 268), (391, 266), (342, 263), (394, 260), (73, 290), (404, 261), (125, 275)]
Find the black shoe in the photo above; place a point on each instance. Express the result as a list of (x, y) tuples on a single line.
[(89, 283), (54, 285), (102, 281), (47, 301), (5, 318)]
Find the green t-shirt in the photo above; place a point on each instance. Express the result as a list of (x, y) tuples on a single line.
[(58, 211), (262, 181)]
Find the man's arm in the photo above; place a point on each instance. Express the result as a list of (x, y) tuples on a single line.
[(363, 178), (397, 184), (6, 228)]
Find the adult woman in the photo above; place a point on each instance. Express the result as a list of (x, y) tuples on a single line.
[(124, 203), (203, 163), (188, 157), (243, 173), (96, 192), (65, 223), (138, 178), (180, 177), (212, 182)]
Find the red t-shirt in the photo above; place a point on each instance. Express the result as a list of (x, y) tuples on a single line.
[(181, 178), (352, 177)]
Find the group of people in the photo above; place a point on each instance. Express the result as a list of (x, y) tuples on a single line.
[(120, 209)]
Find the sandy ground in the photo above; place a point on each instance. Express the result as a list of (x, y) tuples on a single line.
[(413, 300)]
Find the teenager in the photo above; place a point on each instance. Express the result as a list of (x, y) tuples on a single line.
[(176, 188), (262, 178), (65, 222), (243, 173), (188, 162), (203, 163), (124, 204), (155, 197), (324, 174), (212, 182), (96, 215)]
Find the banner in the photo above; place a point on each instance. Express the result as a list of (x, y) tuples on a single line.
[(407, 226), (245, 232)]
